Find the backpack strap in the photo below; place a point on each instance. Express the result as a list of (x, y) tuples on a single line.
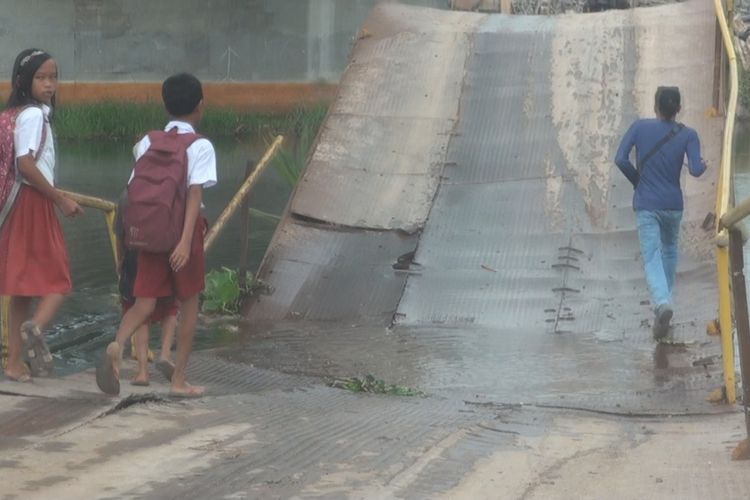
[(10, 201), (673, 132)]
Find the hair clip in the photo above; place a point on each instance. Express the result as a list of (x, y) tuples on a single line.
[(28, 57)]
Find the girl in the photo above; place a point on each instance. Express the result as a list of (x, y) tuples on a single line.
[(33, 257)]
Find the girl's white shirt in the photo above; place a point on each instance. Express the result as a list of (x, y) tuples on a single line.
[(200, 155), (28, 136)]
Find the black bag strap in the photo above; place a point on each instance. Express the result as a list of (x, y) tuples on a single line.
[(673, 132)]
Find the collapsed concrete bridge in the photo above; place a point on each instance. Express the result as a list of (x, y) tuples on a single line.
[(462, 194)]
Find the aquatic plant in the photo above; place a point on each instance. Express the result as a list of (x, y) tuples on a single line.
[(223, 293), (373, 385)]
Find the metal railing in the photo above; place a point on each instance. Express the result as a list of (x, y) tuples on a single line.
[(110, 213), (730, 244), (728, 60)]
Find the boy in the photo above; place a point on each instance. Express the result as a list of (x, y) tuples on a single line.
[(179, 273), (165, 312)]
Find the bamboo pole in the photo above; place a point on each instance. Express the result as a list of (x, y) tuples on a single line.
[(90, 201), (241, 193)]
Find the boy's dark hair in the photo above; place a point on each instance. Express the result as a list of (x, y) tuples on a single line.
[(181, 94), (27, 63), (668, 101)]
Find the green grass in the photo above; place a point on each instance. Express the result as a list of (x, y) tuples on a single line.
[(290, 160), (116, 120)]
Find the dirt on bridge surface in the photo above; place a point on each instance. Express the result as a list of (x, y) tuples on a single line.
[(460, 230)]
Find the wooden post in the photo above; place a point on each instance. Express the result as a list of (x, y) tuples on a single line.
[(245, 232), (742, 321), (718, 57)]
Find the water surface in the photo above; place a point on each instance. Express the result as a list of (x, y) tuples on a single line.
[(91, 314)]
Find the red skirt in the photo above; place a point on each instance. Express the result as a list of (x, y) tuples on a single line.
[(33, 256)]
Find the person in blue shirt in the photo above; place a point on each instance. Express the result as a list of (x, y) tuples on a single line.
[(657, 200)]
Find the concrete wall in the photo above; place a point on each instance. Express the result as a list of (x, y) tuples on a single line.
[(218, 40)]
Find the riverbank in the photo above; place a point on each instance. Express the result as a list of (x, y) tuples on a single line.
[(246, 97), (127, 120), (122, 120)]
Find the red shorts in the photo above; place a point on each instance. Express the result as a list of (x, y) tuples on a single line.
[(33, 257), (156, 279), (163, 310)]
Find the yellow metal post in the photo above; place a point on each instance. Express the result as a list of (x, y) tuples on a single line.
[(109, 218), (242, 192), (723, 188)]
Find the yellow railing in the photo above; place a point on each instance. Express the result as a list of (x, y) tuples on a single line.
[(723, 197), (110, 213)]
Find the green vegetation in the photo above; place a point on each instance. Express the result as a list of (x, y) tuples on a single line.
[(744, 87), (376, 386), (115, 120), (223, 293), (290, 161)]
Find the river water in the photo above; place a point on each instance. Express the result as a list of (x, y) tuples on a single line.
[(91, 313)]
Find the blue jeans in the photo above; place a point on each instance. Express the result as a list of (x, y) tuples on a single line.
[(659, 234)]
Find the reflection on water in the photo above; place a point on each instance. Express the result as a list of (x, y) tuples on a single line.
[(101, 169)]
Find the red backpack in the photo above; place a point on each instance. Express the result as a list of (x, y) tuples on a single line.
[(10, 183), (157, 193)]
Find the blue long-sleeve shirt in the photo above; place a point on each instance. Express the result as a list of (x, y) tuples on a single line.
[(658, 185)]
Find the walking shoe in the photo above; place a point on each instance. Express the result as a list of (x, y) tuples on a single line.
[(661, 321)]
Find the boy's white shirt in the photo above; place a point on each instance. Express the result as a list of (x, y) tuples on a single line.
[(28, 135), (201, 156)]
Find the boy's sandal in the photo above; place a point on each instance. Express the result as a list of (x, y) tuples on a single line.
[(106, 378), (140, 383), (165, 368)]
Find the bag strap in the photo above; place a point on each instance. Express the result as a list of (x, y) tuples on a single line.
[(10, 201), (673, 132), (44, 137)]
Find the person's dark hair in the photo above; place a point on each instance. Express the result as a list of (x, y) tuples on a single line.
[(181, 94), (26, 65), (668, 101)]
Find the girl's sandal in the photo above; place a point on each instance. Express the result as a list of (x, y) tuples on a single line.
[(36, 352), (24, 378)]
